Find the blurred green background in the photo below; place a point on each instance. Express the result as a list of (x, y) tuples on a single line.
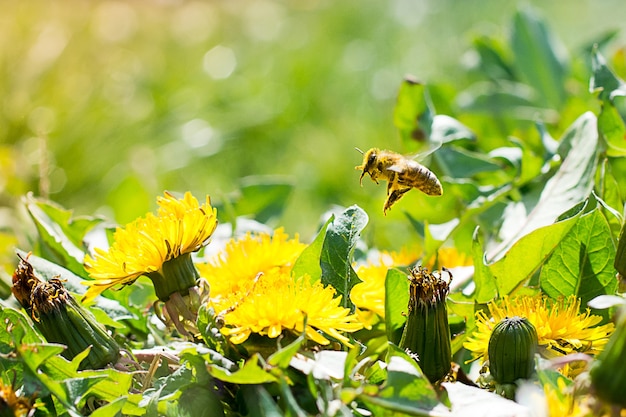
[(105, 104)]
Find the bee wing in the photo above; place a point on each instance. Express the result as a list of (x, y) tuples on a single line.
[(433, 145), (395, 168)]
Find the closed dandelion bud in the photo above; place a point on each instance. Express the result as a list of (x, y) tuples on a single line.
[(608, 374), (426, 332), (60, 319), (511, 350)]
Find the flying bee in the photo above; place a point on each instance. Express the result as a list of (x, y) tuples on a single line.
[(401, 172)]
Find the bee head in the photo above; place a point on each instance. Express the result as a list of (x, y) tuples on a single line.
[(369, 161)]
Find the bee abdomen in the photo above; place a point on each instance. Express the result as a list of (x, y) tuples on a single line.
[(423, 179)]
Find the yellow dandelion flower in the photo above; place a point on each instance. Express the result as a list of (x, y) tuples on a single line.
[(561, 402), (233, 270), (561, 328), (450, 257), (277, 302), (142, 247), (159, 247)]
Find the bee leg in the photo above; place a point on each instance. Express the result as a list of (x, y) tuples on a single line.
[(394, 197)]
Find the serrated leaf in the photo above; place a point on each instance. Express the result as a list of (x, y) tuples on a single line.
[(538, 57), (582, 263), (309, 260), (336, 257), (396, 303), (413, 115), (570, 185)]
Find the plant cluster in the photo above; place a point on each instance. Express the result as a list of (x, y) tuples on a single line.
[(513, 292)]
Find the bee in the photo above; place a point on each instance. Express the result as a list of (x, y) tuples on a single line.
[(401, 172)]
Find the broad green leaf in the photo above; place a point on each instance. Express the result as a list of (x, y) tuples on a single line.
[(251, 373), (396, 303), (494, 61), (110, 384), (459, 163), (342, 235), (17, 330), (508, 98), (113, 408), (570, 184), (582, 263), (612, 130), (309, 260), (413, 115), (539, 57), (199, 401), (61, 235), (603, 79), (262, 197), (282, 357), (259, 402), (447, 129), (406, 390), (486, 286), (609, 196), (527, 255)]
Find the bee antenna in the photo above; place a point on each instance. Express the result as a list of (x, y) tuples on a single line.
[(360, 151)]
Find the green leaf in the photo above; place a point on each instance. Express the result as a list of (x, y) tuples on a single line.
[(282, 357), (199, 400), (342, 235), (251, 373), (413, 115), (612, 130), (528, 254), (17, 330), (582, 263), (396, 303), (459, 163), (538, 57), (570, 185), (494, 61), (486, 286), (448, 129), (60, 235), (603, 79), (113, 408), (259, 402), (406, 390), (309, 260)]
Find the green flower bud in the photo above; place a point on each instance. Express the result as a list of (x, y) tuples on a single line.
[(512, 348), (60, 319), (608, 375), (426, 332)]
